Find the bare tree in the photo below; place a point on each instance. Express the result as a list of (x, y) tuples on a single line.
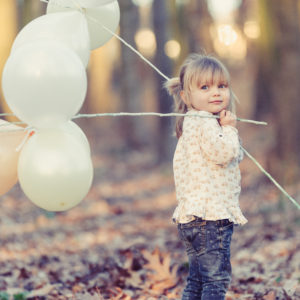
[(132, 129), (31, 9), (198, 21), (279, 81), (161, 30), (8, 14)]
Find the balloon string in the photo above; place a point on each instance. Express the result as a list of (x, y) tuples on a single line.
[(271, 178), (30, 130), (8, 123), (121, 114), (159, 115), (82, 10), (129, 46), (78, 6)]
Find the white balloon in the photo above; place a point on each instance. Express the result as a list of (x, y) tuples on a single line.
[(55, 171), (11, 137), (73, 129), (69, 28), (82, 3), (44, 83), (106, 15)]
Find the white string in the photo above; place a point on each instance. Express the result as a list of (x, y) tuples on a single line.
[(130, 47), (6, 114), (271, 178), (160, 115), (78, 6), (29, 130), (142, 114), (9, 123)]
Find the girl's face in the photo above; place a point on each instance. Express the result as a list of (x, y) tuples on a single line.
[(208, 92), (211, 97)]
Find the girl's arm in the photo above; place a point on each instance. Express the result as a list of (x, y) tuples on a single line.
[(219, 144)]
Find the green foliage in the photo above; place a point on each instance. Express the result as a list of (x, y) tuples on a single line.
[(4, 296), (49, 214), (19, 296)]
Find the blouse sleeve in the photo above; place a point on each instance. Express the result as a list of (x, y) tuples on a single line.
[(220, 144), (241, 153)]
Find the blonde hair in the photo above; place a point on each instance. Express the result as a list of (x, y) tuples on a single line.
[(197, 69)]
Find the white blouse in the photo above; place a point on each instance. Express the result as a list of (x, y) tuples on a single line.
[(206, 172)]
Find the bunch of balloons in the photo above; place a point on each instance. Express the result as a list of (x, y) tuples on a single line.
[(44, 83)]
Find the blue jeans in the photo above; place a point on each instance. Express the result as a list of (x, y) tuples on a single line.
[(208, 247)]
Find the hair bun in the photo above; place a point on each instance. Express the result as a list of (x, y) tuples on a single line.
[(173, 86)]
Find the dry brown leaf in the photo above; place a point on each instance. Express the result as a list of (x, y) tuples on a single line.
[(270, 296), (88, 296), (163, 277), (118, 294), (173, 295), (134, 280), (77, 288), (41, 292)]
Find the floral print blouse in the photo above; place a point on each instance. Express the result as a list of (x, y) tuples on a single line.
[(206, 172)]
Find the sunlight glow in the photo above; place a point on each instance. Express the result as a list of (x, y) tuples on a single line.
[(252, 29), (222, 9), (172, 49), (226, 34), (142, 2), (146, 42), (229, 41)]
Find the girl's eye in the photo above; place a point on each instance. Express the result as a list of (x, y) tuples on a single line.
[(204, 87), (222, 86)]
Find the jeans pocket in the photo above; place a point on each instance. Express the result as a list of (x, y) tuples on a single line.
[(226, 234), (194, 238)]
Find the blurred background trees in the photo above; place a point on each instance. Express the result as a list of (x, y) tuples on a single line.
[(257, 39), (278, 81)]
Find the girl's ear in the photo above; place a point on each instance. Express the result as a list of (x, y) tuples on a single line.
[(184, 98)]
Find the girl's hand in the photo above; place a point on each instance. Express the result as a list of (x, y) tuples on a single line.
[(227, 118)]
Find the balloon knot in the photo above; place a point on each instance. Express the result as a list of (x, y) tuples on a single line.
[(30, 132)]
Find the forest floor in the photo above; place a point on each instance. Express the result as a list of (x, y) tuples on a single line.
[(120, 242)]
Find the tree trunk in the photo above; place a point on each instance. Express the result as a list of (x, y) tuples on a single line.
[(266, 58), (31, 10), (8, 26), (280, 71), (162, 61), (180, 31), (199, 21), (132, 128)]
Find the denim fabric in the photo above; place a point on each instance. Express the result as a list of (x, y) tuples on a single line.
[(208, 247)]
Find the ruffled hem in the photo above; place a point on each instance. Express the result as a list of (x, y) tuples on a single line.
[(241, 220), (180, 217)]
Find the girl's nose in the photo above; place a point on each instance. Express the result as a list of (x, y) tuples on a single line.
[(216, 90)]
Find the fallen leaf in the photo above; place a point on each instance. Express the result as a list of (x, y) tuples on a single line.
[(270, 296), (163, 277)]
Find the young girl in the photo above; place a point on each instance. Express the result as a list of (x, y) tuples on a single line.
[(206, 173)]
